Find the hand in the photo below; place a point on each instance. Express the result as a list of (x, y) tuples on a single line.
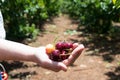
[(44, 61), (74, 55)]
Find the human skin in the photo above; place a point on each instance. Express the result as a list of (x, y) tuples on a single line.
[(10, 50)]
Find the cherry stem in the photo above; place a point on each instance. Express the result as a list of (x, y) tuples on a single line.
[(55, 40), (65, 54)]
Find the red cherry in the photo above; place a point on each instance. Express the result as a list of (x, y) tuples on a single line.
[(56, 53), (65, 45), (61, 51), (70, 45), (59, 45)]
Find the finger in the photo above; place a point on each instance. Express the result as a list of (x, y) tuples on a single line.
[(54, 66), (74, 55), (75, 45)]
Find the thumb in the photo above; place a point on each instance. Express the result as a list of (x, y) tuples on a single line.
[(74, 55)]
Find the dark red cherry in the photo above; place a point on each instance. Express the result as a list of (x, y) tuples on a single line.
[(56, 53), (59, 45)]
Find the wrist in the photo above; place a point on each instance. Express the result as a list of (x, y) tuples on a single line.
[(38, 56), (32, 57)]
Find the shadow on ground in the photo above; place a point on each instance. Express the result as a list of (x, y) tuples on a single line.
[(104, 46), (114, 75), (14, 65)]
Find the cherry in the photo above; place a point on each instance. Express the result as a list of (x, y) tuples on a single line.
[(49, 48), (59, 45), (56, 53), (64, 45), (70, 45), (60, 51)]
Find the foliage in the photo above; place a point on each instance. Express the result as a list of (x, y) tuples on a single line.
[(116, 3), (53, 7), (19, 14), (29, 31), (96, 15)]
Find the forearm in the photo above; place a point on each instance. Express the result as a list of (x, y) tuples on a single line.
[(15, 51)]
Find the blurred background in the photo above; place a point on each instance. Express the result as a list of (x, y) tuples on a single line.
[(94, 23)]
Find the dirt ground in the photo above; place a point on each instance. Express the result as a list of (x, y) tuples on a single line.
[(100, 61)]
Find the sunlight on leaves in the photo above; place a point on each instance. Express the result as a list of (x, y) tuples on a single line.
[(114, 1)]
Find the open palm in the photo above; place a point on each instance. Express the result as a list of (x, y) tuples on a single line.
[(45, 62)]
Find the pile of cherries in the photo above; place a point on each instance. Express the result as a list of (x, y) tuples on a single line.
[(60, 51)]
